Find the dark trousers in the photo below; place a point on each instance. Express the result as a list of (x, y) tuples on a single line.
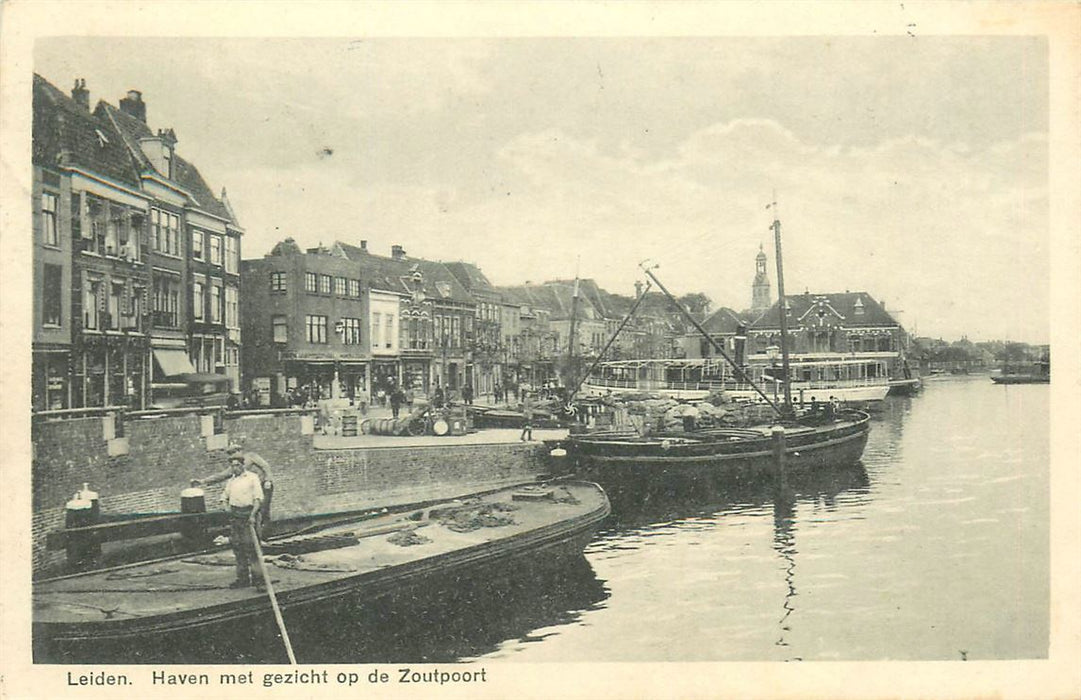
[(240, 537)]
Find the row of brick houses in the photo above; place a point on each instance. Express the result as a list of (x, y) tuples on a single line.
[(136, 263), (140, 289)]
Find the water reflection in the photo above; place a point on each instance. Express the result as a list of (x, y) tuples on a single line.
[(668, 498)]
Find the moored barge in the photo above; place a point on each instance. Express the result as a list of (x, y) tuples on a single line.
[(373, 559)]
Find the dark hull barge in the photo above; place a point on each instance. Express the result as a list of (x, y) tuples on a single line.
[(1021, 379), (837, 441), (372, 560)]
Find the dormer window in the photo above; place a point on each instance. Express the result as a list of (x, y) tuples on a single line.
[(858, 306), (167, 160)]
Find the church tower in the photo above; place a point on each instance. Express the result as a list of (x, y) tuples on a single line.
[(760, 300)]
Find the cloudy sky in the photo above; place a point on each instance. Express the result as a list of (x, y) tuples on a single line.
[(914, 168)]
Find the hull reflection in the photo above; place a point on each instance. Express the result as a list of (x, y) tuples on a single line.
[(650, 501)]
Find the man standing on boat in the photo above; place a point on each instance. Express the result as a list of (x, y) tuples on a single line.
[(243, 496), (254, 463)]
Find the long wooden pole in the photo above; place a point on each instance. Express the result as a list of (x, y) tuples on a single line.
[(270, 594), (782, 304), (740, 372)]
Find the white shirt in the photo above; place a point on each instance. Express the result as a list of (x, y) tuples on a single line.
[(243, 490)]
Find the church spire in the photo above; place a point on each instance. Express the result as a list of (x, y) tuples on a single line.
[(760, 294)]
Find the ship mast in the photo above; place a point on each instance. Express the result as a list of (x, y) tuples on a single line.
[(782, 304)]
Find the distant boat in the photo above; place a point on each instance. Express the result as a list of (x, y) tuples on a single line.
[(849, 379), (1014, 378), (150, 601), (1038, 373)]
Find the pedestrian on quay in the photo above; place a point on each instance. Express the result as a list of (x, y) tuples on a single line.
[(397, 398), (243, 498), (527, 416), (254, 463), (409, 398), (467, 394), (437, 397)]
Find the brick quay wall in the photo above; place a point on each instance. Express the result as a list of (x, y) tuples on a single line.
[(141, 466)]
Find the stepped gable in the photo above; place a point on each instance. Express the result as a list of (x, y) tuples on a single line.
[(65, 133), (185, 175), (845, 304)]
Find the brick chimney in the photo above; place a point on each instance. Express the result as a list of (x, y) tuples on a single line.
[(638, 289), (80, 94), (397, 252), (364, 246), (133, 105)]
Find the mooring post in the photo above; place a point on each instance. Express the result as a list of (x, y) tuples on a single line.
[(778, 446)]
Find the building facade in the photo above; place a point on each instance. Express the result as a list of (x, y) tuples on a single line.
[(304, 318), (113, 281)]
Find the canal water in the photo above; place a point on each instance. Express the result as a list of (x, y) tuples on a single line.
[(935, 548)]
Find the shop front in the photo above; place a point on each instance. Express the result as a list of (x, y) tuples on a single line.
[(385, 376), (51, 379), (416, 374)]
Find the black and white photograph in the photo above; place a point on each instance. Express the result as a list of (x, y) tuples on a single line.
[(386, 349)]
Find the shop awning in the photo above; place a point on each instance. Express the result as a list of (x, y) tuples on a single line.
[(172, 361)]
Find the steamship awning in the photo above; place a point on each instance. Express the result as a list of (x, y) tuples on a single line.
[(173, 361)]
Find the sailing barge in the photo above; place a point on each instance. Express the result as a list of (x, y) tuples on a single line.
[(819, 439), (806, 444), (373, 559)]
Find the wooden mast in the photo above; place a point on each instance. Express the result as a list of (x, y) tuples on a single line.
[(782, 303)]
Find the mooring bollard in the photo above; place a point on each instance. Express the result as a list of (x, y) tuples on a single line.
[(193, 500), (83, 510), (778, 446)]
